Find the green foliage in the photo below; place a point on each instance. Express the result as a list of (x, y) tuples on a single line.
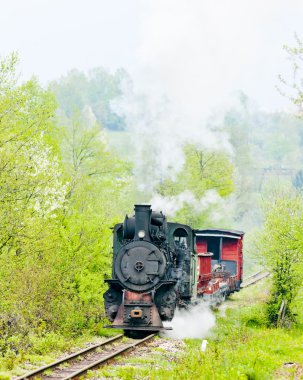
[(48, 342), (32, 193), (267, 151), (4, 376), (60, 191), (205, 177), (96, 181), (202, 170), (292, 88), (30, 181), (95, 91), (281, 248)]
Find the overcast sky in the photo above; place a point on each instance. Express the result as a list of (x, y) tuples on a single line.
[(185, 48)]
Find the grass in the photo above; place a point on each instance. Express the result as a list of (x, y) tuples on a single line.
[(45, 349), (239, 347)]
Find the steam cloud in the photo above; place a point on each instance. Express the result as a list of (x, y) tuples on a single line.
[(192, 57), (177, 84), (195, 322), (172, 205), (159, 128)]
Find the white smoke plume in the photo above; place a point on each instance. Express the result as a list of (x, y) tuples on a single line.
[(177, 84), (196, 322), (159, 128), (171, 205), (191, 59)]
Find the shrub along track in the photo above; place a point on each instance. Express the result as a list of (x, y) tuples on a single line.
[(79, 363)]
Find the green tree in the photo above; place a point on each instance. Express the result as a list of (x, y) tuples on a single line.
[(281, 249), (97, 191), (202, 170), (60, 191), (97, 90), (206, 177), (293, 87), (32, 196), (31, 186)]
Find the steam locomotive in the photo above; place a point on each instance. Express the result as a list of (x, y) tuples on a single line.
[(159, 266)]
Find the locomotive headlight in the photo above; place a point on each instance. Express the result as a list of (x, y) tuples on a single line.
[(141, 234)]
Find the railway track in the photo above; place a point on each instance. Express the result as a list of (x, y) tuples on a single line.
[(254, 278), (77, 364)]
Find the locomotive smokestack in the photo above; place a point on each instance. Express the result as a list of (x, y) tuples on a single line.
[(142, 222)]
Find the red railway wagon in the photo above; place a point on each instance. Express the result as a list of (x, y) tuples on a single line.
[(220, 263)]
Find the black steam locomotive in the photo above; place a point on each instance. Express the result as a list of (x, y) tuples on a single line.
[(158, 266), (152, 271)]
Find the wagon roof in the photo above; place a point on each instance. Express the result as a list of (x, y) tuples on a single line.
[(219, 232)]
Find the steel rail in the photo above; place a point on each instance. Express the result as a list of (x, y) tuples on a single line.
[(254, 278), (106, 358), (254, 275), (67, 358)]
